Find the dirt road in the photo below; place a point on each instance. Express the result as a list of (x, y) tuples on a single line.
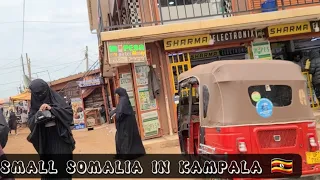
[(98, 141)]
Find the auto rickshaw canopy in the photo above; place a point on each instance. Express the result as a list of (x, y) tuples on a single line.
[(230, 103)]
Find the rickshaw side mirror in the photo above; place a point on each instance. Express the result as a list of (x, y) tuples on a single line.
[(176, 99)]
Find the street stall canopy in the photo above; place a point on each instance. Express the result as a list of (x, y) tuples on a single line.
[(25, 96), (2, 101)]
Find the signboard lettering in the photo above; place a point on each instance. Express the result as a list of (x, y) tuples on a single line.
[(204, 55), (186, 42), (262, 50), (233, 51), (233, 36), (315, 26), (210, 39), (91, 82), (126, 52), (289, 29)]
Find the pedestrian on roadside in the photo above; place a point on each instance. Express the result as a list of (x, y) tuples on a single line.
[(315, 70), (4, 130), (128, 141), (49, 120), (103, 114), (52, 136), (13, 124)]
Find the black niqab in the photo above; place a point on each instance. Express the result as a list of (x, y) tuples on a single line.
[(124, 106), (128, 141), (41, 93), (4, 130)]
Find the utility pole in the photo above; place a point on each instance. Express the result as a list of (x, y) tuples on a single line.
[(24, 73), (49, 75), (29, 66), (87, 59)]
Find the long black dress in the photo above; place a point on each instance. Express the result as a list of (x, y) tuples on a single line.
[(128, 141), (13, 121), (53, 139), (4, 130)]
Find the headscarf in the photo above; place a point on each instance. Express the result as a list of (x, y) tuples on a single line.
[(41, 93), (4, 130), (124, 105)]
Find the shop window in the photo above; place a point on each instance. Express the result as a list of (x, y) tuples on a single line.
[(279, 95), (205, 96), (184, 101)]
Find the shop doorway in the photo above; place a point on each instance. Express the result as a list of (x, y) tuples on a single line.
[(181, 62)]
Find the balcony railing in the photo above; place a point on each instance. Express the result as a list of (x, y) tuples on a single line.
[(141, 13)]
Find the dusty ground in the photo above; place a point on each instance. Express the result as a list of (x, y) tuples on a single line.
[(98, 141)]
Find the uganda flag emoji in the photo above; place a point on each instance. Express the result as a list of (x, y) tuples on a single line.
[(281, 166)]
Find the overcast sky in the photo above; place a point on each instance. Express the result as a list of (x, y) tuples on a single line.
[(51, 45)]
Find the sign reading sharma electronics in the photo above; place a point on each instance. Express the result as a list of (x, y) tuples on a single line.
[(126, 52), (289, 29), (208, 39)]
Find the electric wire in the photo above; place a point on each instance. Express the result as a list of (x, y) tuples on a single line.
[(85, 74), (78, 66)]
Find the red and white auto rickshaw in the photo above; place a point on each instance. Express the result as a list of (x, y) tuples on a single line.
[(247, 106)]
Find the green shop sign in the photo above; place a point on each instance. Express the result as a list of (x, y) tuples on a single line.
[(126, 52)]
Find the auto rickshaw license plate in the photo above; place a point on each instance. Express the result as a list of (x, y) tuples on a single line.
[(313, 157)]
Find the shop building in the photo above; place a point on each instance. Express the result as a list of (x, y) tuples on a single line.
[(175, 39), (87, 93)]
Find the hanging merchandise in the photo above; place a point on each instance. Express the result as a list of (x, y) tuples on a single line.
[(153, 83), (261, 50)]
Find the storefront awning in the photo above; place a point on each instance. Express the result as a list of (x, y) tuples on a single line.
[(25, 96), (260, 20)]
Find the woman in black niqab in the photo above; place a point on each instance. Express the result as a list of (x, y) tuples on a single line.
[(4, 130), (55, 138), (52, 137), (128, 141), (13, 124)]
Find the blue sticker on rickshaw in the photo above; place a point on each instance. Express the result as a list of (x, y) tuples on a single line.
[(264, 108)]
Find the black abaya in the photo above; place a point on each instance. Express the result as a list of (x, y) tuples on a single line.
[(4, 130), (128, 141), (56, 139), (13, 121), (40, 136)]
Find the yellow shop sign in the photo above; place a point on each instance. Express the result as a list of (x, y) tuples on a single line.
[(187, 42), (289, 29)]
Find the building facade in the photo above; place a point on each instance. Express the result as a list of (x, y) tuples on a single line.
[(177, 35)]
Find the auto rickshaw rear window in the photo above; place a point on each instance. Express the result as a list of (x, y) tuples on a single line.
[(279, 95)]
